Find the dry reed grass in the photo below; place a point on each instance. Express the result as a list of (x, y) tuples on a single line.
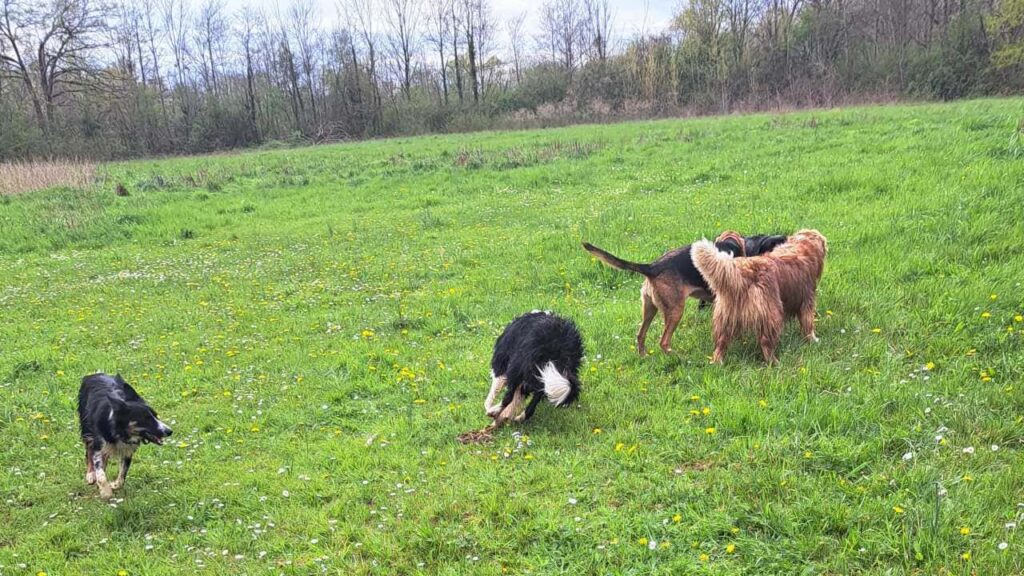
[(20, 177)]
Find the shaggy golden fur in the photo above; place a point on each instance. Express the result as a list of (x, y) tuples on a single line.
[(758, 293)]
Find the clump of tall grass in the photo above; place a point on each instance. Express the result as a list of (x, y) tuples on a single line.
[(26, 176)]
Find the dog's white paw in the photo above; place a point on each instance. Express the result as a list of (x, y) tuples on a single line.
[(493, 412), (106, 492), (813, 338), (520, 418), (90, 477), (116, 485)]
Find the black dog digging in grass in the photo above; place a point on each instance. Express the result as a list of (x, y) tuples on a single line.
[(114, 420), (538, 354)]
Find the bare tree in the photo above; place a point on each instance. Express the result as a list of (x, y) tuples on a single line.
[(247, 22), (597, 27), (361, 14), (403, 18), (307, 35), (440, 36), (515, 40), (455, 6), (49, 46), (470, 13), (210, 30), (562, 25)]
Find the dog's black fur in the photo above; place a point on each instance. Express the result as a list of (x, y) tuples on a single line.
[(114, 421), (520, 364), (752, 246)]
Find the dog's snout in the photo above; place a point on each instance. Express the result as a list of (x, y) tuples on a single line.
[(164, 429)]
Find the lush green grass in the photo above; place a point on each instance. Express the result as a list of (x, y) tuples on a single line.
[(317, 326)]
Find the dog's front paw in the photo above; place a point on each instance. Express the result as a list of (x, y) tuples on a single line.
[(813, 338), (116, 485), (521, 418), (90, 478), (106, 492), (493, 412)]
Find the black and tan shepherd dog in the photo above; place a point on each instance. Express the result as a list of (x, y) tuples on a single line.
[(671, 279), (114, 420)]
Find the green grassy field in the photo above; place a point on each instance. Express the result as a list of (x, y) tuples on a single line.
[(317, 325)]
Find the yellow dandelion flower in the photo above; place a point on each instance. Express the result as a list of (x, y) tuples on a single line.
[(619, 446), (929, 366), (731, 548), (966, 556), (986, 315), (709, 430), (419, 401), (597, 430), (705, 410), (694, 398), (876, 330), (677, 518), (964, 531), (993, 297), (367, 334), (61, 372), (808, 454), (734, 530), (642, 541), (122, 573), (665, 544), (762, 403), (704, 558), (897, 509), (968, 478), (1018, 318), (254, 429)]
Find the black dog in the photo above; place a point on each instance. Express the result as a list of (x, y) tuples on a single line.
[(538, 354), (672, 278), (114, 421)]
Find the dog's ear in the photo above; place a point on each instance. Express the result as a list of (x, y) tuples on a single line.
[(129, 393)]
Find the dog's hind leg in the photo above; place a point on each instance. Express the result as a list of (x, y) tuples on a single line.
[(673, 313), (722, 337), (497, 385), (99, 463), (511, 404), (530, 408), (122, 473), (806, 316), (90, 472), (648, 311), (770, 333)]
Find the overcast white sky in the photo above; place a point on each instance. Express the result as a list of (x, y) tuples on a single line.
[(630, 17)]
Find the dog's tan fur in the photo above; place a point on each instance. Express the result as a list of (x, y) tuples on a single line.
[(758, 293)]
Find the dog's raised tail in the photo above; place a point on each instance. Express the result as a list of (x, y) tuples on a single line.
[(560, 389), (718, 268), (616, 262)]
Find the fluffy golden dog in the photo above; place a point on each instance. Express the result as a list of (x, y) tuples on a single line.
[(757, 294)]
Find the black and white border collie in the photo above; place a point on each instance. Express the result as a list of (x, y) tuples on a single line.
[(114, 421), (538, 354)]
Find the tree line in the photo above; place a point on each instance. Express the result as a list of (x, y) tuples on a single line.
[(123, 78)]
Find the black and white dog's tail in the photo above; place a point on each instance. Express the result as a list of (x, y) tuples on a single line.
[(561, 389)]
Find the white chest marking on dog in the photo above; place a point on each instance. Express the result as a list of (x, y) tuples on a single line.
[(556, 386)]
